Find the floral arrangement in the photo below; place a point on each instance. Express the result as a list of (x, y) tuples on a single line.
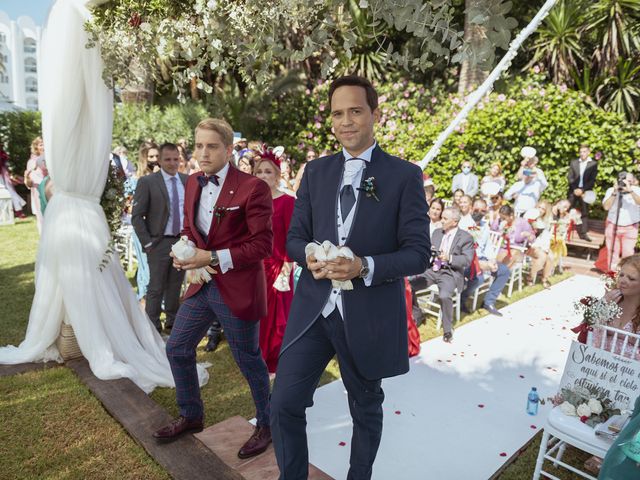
[(610, 280), (594, 311), (369, 188), (583, 403)]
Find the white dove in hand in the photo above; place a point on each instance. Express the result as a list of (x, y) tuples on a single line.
[(184, 249), (327, 251)]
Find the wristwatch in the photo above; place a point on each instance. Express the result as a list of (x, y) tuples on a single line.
[(364, 271), (215, 261)]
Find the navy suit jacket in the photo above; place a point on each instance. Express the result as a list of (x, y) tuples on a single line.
[(394, 231)]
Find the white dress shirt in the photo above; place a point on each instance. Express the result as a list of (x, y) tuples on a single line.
[(629, 209), (168, 183), (583, 167), (528, 195), (352, 175), (447, 240), (466, 221), (208, 198)]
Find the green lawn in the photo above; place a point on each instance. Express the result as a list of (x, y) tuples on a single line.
[(52, 427)]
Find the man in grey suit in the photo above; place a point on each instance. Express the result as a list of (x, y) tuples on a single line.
[(467, 181), (157, 217), (454, 253)]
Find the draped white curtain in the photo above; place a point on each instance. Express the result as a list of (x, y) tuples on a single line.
[(113, 331)]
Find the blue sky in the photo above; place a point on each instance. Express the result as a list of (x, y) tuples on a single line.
[(36, 9)]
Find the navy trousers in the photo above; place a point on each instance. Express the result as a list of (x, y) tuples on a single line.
[(299, 369), (500, 279), (192, 322)]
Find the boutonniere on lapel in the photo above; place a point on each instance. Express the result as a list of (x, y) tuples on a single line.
[(219, 213), (368, 186)]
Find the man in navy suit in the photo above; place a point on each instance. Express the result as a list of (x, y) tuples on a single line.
[(373, 203)]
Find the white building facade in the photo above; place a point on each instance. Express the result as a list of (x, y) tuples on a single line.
[(20, 42)]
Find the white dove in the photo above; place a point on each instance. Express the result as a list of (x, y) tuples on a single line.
[(184, 249), (327, 251)]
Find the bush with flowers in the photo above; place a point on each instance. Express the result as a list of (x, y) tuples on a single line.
[(526, 111)]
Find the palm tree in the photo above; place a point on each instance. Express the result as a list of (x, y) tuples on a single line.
[(471, 71), (620, 92), (558, 43), (616, 23)]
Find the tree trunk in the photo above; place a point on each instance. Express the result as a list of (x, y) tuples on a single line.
[(471, 75)]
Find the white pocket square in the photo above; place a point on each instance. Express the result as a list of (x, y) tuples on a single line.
[(233, 208)]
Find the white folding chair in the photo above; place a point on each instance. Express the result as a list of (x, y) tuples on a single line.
[(561, 430), (517, 270), (495, 240), (447, 202), (429, 304)]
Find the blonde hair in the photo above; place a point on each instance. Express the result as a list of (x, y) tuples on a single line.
[(497, 165), (633, 261), (548, 212), (34, 145), (260, 160), (143, 168), (220, 126)]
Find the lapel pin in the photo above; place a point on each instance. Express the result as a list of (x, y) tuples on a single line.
[(231, 192)]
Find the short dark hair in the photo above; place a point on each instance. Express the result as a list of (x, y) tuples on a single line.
[(356, 81), (505, 210), (168, 146)]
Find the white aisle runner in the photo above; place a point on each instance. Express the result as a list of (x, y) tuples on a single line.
[(459, 413)]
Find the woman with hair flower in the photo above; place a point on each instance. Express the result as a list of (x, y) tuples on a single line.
[(278, 267)]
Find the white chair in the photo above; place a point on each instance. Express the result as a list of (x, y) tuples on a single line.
[(517, 270), (447, 202), (561, 430), (429, 304), (6, 207)]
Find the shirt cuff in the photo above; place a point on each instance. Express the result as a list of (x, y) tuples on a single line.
[(226, 263), (369, 278)]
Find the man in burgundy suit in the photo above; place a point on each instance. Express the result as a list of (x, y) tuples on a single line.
[(227, 214)]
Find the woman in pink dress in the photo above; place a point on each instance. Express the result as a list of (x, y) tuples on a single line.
[(33, 175), (627, 296), (278, 267)]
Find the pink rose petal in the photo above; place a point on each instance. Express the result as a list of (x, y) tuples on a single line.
[(397, 412), (534, 427), (480, 405), (503, 454), (521, 376), (342, 444)]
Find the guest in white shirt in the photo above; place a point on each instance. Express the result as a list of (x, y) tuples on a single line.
[(625, 197), (466, 220), (466, 181), (525, 193)]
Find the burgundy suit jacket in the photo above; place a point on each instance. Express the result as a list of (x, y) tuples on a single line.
[(245, 231)]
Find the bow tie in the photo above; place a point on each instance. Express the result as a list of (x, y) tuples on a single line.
[(204, 179)]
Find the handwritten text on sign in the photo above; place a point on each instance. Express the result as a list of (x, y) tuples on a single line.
[(610, 375)]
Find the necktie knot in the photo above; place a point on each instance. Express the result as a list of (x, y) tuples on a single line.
[(204, 179)]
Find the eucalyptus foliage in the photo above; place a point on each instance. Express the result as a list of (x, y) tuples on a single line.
[(191, 42)]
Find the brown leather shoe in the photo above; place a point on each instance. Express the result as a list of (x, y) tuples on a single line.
[(257, 443), (178, 427)]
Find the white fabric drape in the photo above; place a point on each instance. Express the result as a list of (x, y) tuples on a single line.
[(113, 332)]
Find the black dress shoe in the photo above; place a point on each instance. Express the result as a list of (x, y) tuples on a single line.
[(493, 310), (585, 237), (448, 337), (213, 342)]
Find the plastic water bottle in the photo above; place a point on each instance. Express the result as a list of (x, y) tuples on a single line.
[(532, 401)]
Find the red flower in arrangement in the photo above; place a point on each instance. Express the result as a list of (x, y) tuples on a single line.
[(586, 300), (584, 419), (135, 20)]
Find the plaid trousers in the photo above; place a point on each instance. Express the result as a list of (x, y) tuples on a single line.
[(192, 321)]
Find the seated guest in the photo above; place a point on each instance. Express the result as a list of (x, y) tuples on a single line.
[(494, 203), (487, 254), (466, 181), (479, 211), (517, 233), (436, 206), (494, 175), (466, 221), (457, 195), (525, 193), (541, 253), (453, 250)]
